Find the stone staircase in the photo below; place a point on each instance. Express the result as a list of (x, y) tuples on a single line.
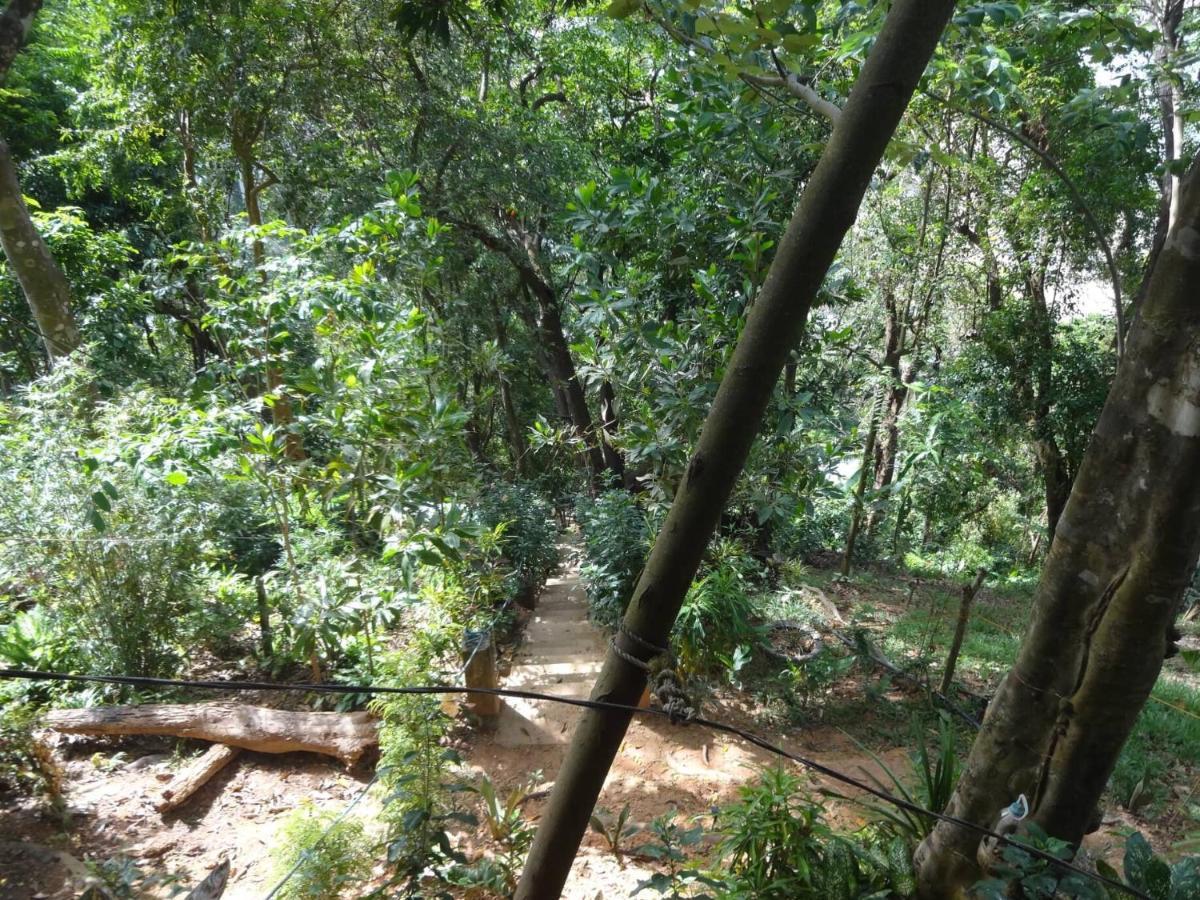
[(561, 655)]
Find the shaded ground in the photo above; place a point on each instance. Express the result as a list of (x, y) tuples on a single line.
[(110, 786)]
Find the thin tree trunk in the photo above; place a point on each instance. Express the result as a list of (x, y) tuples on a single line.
[(1123, 554), (245, 134), (856, 514), (513, 431), (1055, 477), (827, 209), (613, 461), (960, 630), (264, 618), (884, 456), (42, 281)]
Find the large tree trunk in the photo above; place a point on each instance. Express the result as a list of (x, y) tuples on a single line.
[(566, 379), (346, 736), (1124, 551), (826, 211), (42, 281)]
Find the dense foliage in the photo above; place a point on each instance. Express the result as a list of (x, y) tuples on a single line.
[(378, 298)]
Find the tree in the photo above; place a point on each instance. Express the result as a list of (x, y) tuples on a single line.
[(1125, 550), (825, 213), (42, 281)]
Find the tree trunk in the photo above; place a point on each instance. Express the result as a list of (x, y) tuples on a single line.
[(826, 211), (960, 629), (42, 281), (346, 736), (513, 431), (613, 461), (884, 461), (1125, 548), (562, 370), (246, 131), (856, 514), (1053, 465)]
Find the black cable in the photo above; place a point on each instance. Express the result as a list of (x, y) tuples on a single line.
[(762, 743)]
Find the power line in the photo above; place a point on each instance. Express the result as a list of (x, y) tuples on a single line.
[(749, 737)]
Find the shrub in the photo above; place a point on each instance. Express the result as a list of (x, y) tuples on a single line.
[(715, 624), (329, 858), (615, 542), (775, 844), (527, 538)]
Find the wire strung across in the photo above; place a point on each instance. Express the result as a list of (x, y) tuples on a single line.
[(749, 737)]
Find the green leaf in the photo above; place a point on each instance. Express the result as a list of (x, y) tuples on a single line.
[(176, 478), (100, 501), (799, 43), (622, 9)]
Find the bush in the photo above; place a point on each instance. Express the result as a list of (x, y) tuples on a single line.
[(715, 626), (615, 543), (332, 858), (527, 538), (776, 844)]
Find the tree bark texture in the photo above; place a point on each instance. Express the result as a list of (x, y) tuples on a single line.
[(15, 22), (826, 211), (1123, 554), (42, 281), (195, 776), (346, 736), (860, 491)]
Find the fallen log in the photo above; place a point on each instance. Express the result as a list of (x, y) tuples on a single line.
[(346, 736), (195, 776)]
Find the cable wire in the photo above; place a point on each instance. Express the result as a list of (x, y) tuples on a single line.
[(749, 737)]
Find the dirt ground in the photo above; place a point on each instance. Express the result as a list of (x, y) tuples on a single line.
[(110, 788)]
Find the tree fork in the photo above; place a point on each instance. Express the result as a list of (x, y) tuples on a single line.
[(826, 211)]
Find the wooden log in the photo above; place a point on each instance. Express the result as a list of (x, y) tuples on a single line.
[(195, 776), (482, 671), (345, 736)]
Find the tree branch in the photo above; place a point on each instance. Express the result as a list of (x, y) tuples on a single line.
[(798, 89)]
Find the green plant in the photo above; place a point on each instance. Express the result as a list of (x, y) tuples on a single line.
[(507, 828), (715, 621), (32, 641), (936, 769), (614, 829), (527, 536), (669, 847), (615, 543), (123, 879), (27, 766), (776, 844), (329, 858), (1153, 875)]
